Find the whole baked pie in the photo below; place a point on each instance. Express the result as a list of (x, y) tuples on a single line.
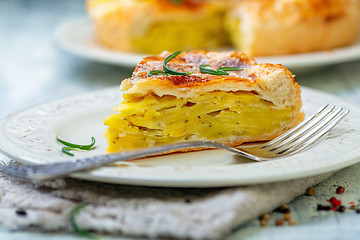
[(274, 27), (255, 27), (221, 96)]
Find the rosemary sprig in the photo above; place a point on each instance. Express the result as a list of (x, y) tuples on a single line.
[(230, 68), (221, 71), (76, 227), (168, 70), (204, 69), (75, 147), (157, 72), (68, 149)]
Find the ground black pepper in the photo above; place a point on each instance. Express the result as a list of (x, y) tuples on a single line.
[(187, 200), (264, 219), (323, 207), (341, 209), (283, 209), (21, 212)]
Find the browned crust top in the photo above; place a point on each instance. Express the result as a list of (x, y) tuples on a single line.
[(190, 62)]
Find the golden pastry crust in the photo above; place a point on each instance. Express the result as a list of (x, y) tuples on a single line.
[(267, 80), (270, 27)]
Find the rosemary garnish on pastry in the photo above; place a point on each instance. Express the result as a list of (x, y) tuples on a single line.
[(221, 71), (167, 71)]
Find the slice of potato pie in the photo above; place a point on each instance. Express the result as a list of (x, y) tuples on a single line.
[(221, 96)]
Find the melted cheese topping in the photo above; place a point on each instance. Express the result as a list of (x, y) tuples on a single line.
[(152, 120)]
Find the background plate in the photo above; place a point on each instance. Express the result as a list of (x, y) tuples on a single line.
[(30, 135), (77, 37)]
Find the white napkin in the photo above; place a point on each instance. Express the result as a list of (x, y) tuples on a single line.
[(209, 213)]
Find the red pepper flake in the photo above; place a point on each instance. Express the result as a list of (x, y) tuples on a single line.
[(340, 190), (352, 205), (334, 202)]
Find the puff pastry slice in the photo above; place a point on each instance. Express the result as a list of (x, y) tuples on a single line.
[(256, 103)]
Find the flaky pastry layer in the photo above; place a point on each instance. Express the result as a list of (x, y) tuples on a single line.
[(267, 80)]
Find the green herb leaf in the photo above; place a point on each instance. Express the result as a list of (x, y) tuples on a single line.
[(221, 71), (230, 68), (172, 72), (73, 145), (76, 228), (157, 72), (204, 69), (67, 149)]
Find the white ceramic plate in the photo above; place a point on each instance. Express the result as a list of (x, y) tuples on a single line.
[(29, 137), (78, 37)]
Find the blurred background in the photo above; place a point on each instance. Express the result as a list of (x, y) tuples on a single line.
[(34, 69)]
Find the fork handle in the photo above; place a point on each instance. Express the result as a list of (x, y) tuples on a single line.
[(53, 170)]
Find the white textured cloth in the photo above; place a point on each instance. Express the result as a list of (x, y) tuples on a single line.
[(141, 211)]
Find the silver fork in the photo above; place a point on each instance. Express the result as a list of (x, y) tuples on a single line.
[(293, 141)]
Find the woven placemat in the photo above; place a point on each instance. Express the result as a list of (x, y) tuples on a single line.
[(183, 213)]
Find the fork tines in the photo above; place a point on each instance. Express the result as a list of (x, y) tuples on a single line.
[(308, 131)]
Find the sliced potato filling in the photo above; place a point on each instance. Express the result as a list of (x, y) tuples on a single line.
[(152, 120)]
